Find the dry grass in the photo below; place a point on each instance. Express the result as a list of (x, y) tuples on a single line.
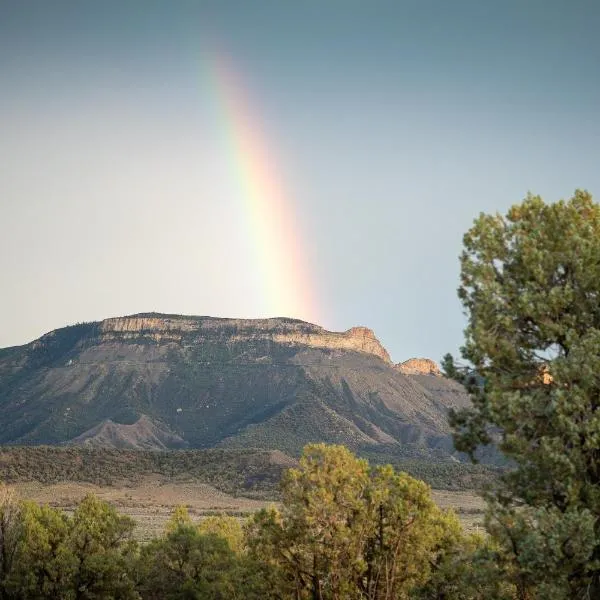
[(468, 506), (151, 501)]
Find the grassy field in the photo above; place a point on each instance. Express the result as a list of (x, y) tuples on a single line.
[(151, 500), (149, 485), (468, 505)]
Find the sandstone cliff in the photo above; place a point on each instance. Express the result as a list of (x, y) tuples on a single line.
[(280, 331), (419, 366)]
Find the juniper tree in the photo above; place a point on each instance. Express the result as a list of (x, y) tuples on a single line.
[(346, 531), (530, 287)]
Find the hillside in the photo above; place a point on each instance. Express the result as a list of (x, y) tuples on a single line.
[(251, 472), (141, 435), (247, 472), (166, 381)]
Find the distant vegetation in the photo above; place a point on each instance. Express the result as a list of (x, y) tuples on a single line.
[(252, 473)]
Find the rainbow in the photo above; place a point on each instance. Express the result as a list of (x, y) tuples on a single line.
[(286, 287)]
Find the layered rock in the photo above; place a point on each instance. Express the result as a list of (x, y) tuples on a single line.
[(281, 331), (419, 366)]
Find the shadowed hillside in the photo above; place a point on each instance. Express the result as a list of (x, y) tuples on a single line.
[(167, 381)]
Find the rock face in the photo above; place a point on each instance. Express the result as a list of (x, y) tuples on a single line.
[(282, 331), (419, 366), (152, 380)]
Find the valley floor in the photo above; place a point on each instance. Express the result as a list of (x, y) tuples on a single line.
[(151, 501)]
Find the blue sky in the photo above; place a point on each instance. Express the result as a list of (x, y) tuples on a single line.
[(394, 123)]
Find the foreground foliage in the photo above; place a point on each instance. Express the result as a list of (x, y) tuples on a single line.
[(348, 531), (50, 555), (530, 286), (344, 531)]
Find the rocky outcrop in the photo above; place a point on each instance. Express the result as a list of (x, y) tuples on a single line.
[(143, 324), (419, 366), (282, 331), (159, 329), (359, 339)]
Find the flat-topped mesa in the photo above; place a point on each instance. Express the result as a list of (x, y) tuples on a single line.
[(279, 330), (143, 324), (419, 366)]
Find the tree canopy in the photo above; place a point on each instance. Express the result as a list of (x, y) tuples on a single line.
[(530, 287), (347, 531)]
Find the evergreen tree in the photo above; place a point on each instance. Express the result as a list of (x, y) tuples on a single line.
[(530, 286), (346, 531), (10, 533)]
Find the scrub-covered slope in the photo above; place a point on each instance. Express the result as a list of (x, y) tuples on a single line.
[(177, 381)]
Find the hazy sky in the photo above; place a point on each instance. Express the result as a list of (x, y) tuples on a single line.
[(391, 126)]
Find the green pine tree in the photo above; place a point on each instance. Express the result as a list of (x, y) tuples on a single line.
[(530, 286)]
